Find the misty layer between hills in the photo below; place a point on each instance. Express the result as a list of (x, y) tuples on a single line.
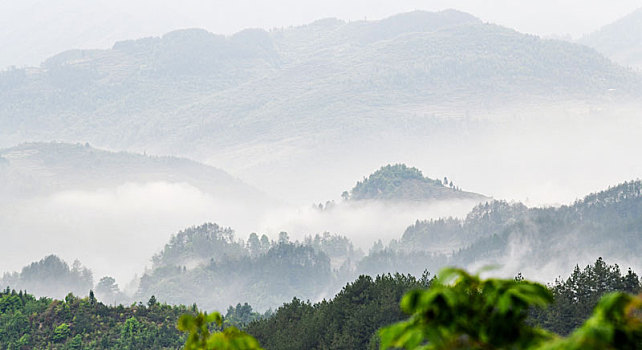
[(324, 246)]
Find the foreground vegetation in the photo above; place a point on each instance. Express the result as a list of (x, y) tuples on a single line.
[(462, 311)]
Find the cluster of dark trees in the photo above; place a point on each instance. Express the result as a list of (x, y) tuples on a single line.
[(210, 266), (576, 296)]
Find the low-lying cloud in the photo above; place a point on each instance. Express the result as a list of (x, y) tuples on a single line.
[(113, 231)]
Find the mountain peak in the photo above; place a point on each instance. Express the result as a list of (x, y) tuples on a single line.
[(399, 182)]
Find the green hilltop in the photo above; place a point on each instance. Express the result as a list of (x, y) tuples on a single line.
[(399, 182)]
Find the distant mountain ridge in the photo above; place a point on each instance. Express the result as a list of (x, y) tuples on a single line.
[(287, 91), (43, 168), (620, 40)]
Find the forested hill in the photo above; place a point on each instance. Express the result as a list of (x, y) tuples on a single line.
[(607, 223), (209, 265), (44, 168), (402, 183), (141, 94), (621, 40)]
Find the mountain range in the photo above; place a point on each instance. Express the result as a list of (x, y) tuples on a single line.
[(265, 105)]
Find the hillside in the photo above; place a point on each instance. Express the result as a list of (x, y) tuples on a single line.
[(269, 105), (605, 224), (45, 168), (621, 40), (402, 183), (517, 238)]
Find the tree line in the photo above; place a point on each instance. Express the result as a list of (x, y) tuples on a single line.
[(350, 320)]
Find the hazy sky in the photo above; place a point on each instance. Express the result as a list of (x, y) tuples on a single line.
[(33, 30)]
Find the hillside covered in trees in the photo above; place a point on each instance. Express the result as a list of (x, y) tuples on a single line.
[(399, 182), (210, 266), (518, 238)]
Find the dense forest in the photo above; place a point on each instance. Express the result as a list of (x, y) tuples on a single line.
[(350, 320)]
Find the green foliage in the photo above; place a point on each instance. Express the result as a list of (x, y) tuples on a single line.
[(130, 337), (76, 342), (61, 333), (462, 311), (616, 324), (469, 313), (201, 338)]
